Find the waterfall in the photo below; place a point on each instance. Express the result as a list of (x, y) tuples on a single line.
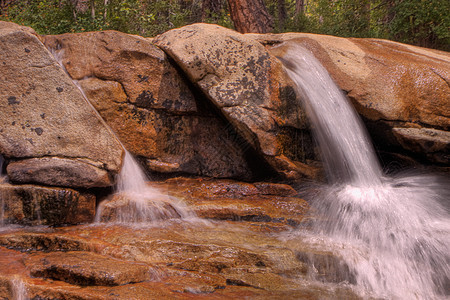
[(134, 201), (19, 290), (392, 232), (139, 202)]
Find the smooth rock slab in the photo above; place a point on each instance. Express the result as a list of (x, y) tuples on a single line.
[(85, 268), (59, 172), (239, 201), (225, 260), (37, 205)]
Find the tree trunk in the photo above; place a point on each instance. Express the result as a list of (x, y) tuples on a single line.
[(282, 14), (250, 16), (300, 6), (105, 3), (92, 9)]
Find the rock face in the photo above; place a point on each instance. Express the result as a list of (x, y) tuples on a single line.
[(46, 122), (401, 91), (36, 205), (249, 87), (150, 106)]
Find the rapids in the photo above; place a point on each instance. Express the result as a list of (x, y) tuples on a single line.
[(391, 231)]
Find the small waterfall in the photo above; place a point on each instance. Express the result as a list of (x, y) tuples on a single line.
[(392, 232), (346, 150), (134, 201), (18, 289)]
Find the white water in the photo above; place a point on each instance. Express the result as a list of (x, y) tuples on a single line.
[(392, 232), (143, 202), (139, 203), (19, 290)]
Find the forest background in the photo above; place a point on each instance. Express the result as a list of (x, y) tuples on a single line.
[(423, 23)]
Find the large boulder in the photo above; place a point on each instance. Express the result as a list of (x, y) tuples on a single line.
[(148, 103), (401, 91), (249, 88), (48, 132)]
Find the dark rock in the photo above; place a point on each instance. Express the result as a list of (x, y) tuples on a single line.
[(37, 205)]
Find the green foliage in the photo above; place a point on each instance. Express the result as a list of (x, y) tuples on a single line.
[(44, 16), (420, 22), (147, 18), (424, 23)]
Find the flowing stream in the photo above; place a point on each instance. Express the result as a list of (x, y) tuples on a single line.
[(393, 233)]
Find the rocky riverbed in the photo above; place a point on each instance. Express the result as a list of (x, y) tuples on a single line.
[(244, 243)]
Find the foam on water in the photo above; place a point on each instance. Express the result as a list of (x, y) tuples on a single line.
[(393, 233), (143, 202)]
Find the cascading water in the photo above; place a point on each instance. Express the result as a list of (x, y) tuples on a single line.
[(143, 203), (139, 202), (392, 232), (19, 290)]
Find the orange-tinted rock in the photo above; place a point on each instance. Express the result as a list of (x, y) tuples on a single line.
[(149, 105), (239, 201), (85, 268), (393, 86), (37, 205), (188, 260)]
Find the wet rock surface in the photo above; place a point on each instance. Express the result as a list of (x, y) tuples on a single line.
[(45, 115), (86, 268), (237, 201), (39, 205), (227, 256)]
